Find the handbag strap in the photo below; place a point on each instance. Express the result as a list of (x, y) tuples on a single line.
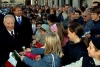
[(53, 62)]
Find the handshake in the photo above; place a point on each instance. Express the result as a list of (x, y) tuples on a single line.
[(27, 52)]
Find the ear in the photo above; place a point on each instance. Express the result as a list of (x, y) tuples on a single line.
[(98, 53), (99, 15), (14, 11), (74, 33)]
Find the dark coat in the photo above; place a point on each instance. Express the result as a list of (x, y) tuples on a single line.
[(73, 52), (25, 31), (88, 62), (7, 44)]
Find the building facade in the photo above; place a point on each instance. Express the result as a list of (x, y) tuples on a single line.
[(74, 3), (12, 2)]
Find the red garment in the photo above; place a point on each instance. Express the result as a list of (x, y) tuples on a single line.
[(71, 22), (38, 45), (30, 55), (33, 56), (65, 41)]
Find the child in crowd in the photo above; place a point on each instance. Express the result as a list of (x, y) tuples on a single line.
[(33, 22), (44, 19), (75, 48), (93, 58), (45, 29), (95, 31), (38, 35), (59, 29), (53, 53), (35, 38)]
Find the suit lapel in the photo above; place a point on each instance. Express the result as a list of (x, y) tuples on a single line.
[(16, 22), (7, 36)]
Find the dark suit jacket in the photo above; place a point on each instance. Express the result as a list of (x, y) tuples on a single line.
[(25, 31), (1, 22), (7, 44)]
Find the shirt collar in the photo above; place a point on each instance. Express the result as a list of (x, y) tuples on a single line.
[(11, 31), (96, 62), (18, 17)]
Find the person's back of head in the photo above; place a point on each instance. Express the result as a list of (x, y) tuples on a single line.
[(77, 28), (52, 18), (53, 44), (82, 8), (58, 29)]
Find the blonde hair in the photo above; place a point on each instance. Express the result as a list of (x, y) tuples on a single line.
[(53, 44)]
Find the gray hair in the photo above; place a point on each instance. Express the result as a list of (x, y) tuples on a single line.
[(8, 15), (87, 11)]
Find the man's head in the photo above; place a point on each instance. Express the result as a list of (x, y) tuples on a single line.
[(66, 7), (77, 14), (9, 21), (86, 16), (95, 13), (60, 10), (52, 19), (17, 10), (95, 3), (70, 12)]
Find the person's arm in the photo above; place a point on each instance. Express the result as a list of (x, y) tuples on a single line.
[(38, 50), (76, 64), (40, 63)]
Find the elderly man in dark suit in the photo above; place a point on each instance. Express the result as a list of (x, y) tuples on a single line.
[(24, 25), (8, 38)]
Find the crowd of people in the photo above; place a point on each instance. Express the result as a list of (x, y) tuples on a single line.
[(51, 37)]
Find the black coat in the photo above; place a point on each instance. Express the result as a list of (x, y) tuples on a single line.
[(88, 62), (73, 52), (25, 31), (7, 44)]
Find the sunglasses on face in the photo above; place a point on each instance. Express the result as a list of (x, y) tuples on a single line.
[(84, 16)]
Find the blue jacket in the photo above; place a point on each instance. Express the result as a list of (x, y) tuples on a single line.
[(46, 61), (88, 25), (79, 20), (95, 29)]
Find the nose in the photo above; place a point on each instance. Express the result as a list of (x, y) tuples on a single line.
[(10, 25)]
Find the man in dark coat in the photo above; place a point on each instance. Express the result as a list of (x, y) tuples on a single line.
[(24, 25), (8, 39)]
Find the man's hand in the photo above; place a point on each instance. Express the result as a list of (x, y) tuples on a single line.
[(22, 57), (28, 50)]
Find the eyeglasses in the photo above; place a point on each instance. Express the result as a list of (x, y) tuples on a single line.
[(84, 16)]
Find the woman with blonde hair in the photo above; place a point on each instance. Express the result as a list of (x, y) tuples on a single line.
[(52, 53)]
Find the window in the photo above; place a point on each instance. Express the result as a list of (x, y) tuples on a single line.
[(12, 1)]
